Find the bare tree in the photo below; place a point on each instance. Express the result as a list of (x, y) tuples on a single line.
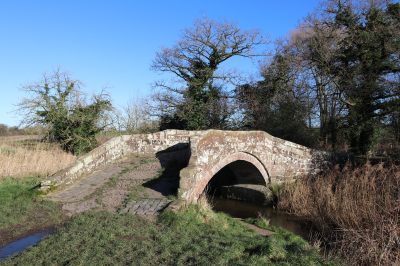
[(134, 117), (313, 45), (194, 63)]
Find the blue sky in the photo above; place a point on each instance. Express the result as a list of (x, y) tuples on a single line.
[(111, 44)]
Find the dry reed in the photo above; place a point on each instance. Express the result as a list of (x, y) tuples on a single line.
[(22, 156), (358, 210)]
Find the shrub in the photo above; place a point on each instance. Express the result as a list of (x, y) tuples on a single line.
[(57, 103)]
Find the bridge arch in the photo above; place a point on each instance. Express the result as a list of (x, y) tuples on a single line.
[(248, 158)]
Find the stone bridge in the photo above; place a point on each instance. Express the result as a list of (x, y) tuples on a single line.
[(252, 157)]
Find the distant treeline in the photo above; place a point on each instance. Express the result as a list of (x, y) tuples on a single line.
[(13, 131)]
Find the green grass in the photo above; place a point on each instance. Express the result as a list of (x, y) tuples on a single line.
[(190, 237), (22, 209)]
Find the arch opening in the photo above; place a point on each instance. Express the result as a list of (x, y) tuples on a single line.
[(238, 180)]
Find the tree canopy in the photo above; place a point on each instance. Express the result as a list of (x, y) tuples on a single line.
[(340, 72), (199, 101)]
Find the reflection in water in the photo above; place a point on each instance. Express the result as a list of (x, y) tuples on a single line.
[(22, 244), (240, 209)]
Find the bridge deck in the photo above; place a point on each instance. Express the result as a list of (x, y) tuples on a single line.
[(119, 187)]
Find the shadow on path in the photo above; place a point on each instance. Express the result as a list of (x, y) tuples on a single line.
[(172, 161)]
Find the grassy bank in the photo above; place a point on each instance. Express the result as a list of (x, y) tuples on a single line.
[(356, 210), (22, 211), (190, 237)]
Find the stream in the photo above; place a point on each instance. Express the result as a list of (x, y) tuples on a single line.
[(241, 209)]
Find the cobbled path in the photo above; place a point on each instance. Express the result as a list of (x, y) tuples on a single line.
[(132, 186), (146, 206)]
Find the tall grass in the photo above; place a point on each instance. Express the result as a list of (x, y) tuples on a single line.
[(27, 156), (358, 210)]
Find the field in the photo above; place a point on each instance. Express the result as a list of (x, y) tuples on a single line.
[(22, 156)]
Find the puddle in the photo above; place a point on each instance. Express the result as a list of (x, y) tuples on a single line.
[(21, 244)]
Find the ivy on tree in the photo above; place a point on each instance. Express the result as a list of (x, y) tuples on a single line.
[(57, 103)]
